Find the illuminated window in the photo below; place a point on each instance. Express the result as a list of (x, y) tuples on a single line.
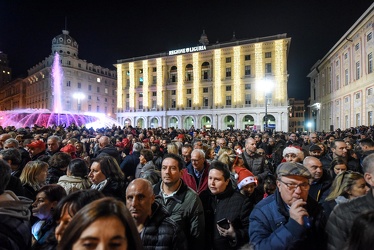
[(247, 70), (106, 90), (98, 79), (228, 72)]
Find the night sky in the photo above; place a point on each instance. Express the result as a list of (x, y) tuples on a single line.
[(107, 31)]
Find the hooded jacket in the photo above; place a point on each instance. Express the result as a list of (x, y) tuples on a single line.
[(15, 228)]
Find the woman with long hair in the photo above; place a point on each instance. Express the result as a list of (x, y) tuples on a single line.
[(345, 187), (87, 225), (33, 177), (107, 177)]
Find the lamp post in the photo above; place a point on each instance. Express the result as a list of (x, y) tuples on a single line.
[(267, 86), (79, 97)]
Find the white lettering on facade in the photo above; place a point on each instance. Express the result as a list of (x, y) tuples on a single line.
[(187, 50)]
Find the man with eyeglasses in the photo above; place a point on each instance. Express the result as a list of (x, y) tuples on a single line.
[(289, 218), (320, 182), (186, 153), (195, 175)]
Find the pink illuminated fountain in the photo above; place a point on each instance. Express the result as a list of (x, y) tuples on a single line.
[(44, 117)]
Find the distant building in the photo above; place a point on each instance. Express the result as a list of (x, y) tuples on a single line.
[(5, 70), (220, 85), (85, 87), (342, 82), (296, 115)]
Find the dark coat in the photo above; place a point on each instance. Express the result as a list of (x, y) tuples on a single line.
[(111, 151), (341, 219), (320, 189), (256, 164), (161, 232), (186, 210), (231, 205), (270, 226), (116, 189), (54, 174), (128, 165)]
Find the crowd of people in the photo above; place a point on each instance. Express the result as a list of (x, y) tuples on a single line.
[(70, 187)]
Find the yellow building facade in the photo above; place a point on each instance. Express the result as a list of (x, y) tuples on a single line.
[(342, 82), (223, 85)]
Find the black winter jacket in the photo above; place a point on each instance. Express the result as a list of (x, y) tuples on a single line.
[(231, 205), (161, 232), (341, 219)]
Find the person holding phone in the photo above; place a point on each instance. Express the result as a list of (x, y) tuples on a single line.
[(289, 218), (226, 210)]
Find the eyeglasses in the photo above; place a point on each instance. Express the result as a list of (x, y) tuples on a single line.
[(292, 187)]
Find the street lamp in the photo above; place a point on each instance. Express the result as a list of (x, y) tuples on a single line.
[(79, 97), (267, 85)]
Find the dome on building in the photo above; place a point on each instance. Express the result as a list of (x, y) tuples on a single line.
[(65, 45)]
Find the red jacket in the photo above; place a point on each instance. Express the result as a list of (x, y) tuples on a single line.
[(188, 176)]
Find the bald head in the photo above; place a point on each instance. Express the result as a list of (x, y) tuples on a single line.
[(139, 200), (314, 166), (104, 141)]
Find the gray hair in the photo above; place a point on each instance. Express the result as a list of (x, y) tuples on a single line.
[(137, 147), (11, 141), (12, 154)]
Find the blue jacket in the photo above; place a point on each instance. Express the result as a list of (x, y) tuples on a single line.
[(270, 226)]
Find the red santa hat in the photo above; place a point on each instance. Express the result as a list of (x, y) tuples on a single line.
[(245, 177)]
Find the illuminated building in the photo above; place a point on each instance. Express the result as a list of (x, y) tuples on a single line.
[(210, 85), (297, 115), (85, 87), (342, 82)]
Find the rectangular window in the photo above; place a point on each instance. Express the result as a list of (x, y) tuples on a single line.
[(358, 119), (154, 69), (173, 103), (205, 102), (247, 70), (370, 63), (247, 57), (154, 93), (370, 118), (205, 90), (98, 89), (228, 72), (228, 100), (106, 90), (154, 79), (97, 108), (369, 36), (98, 79), (357, 95), (68, 84), (267, 68), (267, 54), (346, 121), (79, 85), (228, 88), (346, 99), (89, 108), (189, 91), (357, 70), (89, 97), (189, 103), (140, 104), (154, 104), (141, 94), (370, 91), (337, 82), (228, 59), (357, 46), (345, 55), (346, 77), (247, 86), (247, 99), (173, 92)]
